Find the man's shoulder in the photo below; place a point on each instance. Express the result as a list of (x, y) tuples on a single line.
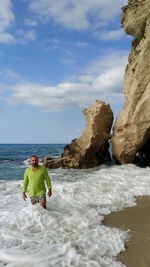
[(43, 168), (28, 169)]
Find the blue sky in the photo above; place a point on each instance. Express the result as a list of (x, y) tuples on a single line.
[(56, 58)]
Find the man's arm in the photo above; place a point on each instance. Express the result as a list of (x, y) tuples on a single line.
[(25, 186), (48, 182)]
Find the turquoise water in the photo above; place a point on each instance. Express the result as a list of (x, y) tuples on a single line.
[(13, 157)]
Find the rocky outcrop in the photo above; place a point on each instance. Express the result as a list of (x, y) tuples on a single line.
[(53, 163), (91, 148), (131, 133)]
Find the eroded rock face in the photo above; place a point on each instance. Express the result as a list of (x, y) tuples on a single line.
[(91, 148), (132, 127), (53, 163)]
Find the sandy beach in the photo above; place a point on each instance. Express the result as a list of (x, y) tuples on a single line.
[(137, 219)]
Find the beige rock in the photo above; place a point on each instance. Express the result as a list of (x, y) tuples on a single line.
[(132, 127), (52, 163), (91, 148)]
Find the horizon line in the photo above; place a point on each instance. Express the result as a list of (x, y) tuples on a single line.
[(33, 143)]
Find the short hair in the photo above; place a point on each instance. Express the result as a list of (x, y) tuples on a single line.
[(34, 156)]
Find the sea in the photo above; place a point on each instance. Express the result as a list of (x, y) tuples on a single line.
[(70, 233)]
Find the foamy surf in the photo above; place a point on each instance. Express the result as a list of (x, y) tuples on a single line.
[(70, 232)]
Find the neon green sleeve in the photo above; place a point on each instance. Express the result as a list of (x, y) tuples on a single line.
[(25, 182), (47, 178)]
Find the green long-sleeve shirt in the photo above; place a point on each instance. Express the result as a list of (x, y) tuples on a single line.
[(36, 181)]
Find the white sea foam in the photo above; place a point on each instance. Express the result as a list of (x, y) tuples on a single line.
[(70, 232), (27, 162)]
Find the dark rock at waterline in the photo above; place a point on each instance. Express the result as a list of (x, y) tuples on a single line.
[(142, 157)]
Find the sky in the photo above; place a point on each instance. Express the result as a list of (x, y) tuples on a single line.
[(57, 58)]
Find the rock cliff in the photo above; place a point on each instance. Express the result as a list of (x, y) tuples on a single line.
[(92, 147), (131, 132)]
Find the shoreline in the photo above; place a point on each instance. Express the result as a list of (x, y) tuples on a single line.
[(137, 220)]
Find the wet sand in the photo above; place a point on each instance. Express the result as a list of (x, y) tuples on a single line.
[(137, 219)]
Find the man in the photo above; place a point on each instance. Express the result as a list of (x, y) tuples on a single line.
[(36, 176)]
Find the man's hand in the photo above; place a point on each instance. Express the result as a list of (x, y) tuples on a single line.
[(49, 193), (24, 196)]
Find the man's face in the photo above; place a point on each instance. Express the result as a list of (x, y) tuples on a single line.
[(34, 162)]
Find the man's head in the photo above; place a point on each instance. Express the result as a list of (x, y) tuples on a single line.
[(34, 161)]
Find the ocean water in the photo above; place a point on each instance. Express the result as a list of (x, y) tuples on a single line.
[(70, 233)]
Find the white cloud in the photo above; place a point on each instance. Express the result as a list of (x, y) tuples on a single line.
[(109, 35), (71, 14), (8, 74), (6, 19), (105, 84), (29, 35), (24, 36), (109, 60), (78, 15), (109, 81), (7, 38), (6, 15), (49, 44), (30, 22)]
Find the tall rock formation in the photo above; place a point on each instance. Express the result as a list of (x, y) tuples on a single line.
[(131, 133), (91, 148)]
